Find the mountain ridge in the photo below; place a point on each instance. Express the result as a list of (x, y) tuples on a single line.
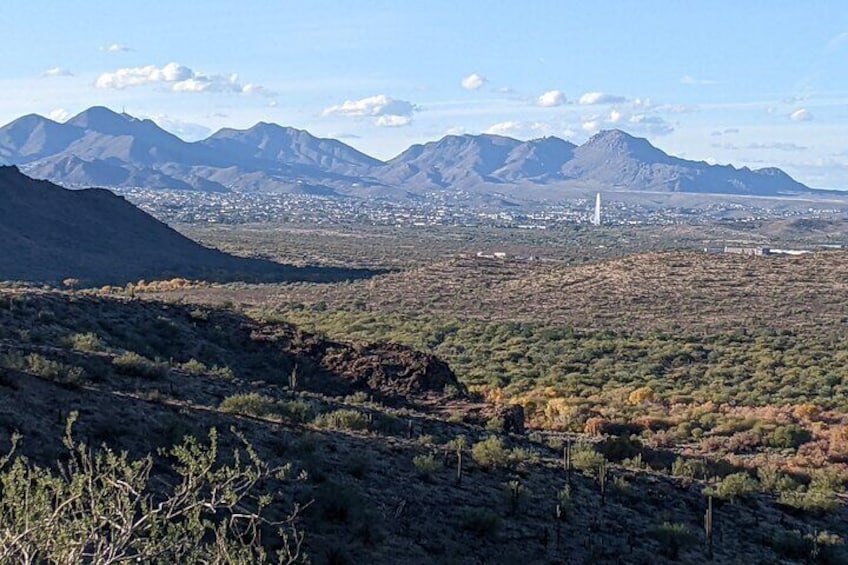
[(103, 148), (48, 233)]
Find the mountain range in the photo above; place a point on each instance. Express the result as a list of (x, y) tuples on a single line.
[(99, 147), (48, 233)]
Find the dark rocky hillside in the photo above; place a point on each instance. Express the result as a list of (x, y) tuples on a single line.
[(48, 234), (376, 481)]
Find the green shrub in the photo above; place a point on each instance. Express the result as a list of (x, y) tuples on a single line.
[(426, 466), (584, 458), (673, 538), (194, 367), (734, 486), (490, 453), (688, 468), (85, 342), (134, 365), (790, 436), (343, 419), (40, 366), (250, 404), (297, 410)]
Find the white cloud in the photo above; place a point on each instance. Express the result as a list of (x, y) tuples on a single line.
[(521, 130), (591, 125), (57, 72), (690, 80), (179, 77), (551, 98), (393, 121), (591, 98), (644, 124), (457, 130), (115, 48), (801, 115), (473, 81), (59, 115), (615, 116), (387, 111)]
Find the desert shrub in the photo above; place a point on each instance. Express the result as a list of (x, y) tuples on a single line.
[(250, 404), (790, 436), (772, 479), (815, 501), (673, 538), (296, 410), (688, 468), (194, 367), (85, 342), (426, 466), (490, 453), (480, 522), (586, 459), (358, 397), (135, 365), (40, 366), (122, 517), (824, 547), (342, 419), (619, 448), (733, 486)]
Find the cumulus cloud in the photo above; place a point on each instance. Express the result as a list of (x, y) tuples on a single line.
[(386, 111), (115, 48), (591, 126), (522, 130), (801, 115), (551, 98), (57, 72), (59, 115), (622, 118), (473, 81), (179, 77), (393, 121), (591, 98)]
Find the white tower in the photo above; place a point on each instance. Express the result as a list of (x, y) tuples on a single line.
[(596, 220)]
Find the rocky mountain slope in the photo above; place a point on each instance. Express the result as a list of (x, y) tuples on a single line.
[(99, 147), (48, 233)]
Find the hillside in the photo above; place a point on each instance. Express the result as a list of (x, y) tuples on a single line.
[(48, 233), (99, 147), (374, 473)]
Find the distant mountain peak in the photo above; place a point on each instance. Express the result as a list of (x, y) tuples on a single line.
[(102, 147), (100, 118)]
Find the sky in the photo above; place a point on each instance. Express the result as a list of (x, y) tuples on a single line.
[(745, 82)]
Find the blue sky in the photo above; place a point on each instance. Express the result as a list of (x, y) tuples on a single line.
[(745, 82)]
